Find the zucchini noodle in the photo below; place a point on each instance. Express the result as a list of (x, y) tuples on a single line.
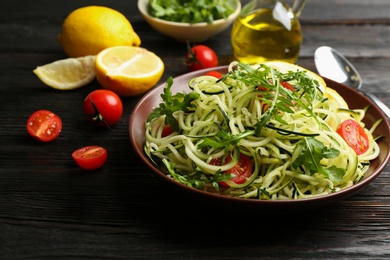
[(289, 135)]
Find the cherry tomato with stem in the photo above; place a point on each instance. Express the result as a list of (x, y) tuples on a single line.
[(90, 157), (201, 57), (103, 107), (44, 125), (354, 135), (241, 171)]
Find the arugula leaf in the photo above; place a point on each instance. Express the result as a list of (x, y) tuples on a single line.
[(172, 103), (278, 98), (223, 139), (312, 152)]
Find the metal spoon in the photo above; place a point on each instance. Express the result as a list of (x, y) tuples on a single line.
[(333, 65)]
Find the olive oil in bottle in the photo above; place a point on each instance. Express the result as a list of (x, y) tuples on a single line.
[(267, 34)]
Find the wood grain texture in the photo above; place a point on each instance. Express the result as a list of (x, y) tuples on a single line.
[(49, 208)]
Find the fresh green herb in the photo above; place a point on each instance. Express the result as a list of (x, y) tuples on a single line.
[(276, 96), (197, 179), (311, 153), (191, 11), (224, 139), (172, 103)]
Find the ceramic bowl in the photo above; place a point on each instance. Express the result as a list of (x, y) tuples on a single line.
[(184, 32), (354, 100)]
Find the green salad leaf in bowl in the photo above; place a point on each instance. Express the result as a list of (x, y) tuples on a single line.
[(191, 11)]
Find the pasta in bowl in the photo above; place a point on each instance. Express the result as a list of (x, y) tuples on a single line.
[(264, 134)]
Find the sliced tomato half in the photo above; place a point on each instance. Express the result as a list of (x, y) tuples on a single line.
[(241, 171), (90, 157), (354, 135), (44, 125)]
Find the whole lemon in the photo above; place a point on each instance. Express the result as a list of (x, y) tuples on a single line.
[(91, 29)]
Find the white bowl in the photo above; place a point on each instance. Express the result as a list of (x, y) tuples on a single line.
[(183, 32)]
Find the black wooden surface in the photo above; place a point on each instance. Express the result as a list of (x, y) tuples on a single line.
[(49, 208)]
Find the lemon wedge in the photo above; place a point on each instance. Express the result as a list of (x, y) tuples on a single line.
[(128, 70), (68, 73)]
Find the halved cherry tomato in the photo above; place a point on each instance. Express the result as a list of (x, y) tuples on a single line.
[(242, 170), (201, 57), (214, 73), (167, 130), (103, 107), (90, 157), (354, 135), (44, 125)]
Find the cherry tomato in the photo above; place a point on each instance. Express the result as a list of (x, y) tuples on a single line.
[(287, 85), (167, 130), (44, 125), (103, 107), (201, 57), (90, 157), (354, 135), (242, 170), (214, 73)]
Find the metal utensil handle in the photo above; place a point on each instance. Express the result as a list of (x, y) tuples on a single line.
[(378, 102)]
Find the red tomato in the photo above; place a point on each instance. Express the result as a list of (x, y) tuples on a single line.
[(214, 73), (354, 135), (167, 130), (90, 157), (103, 107), (287, 85), (44, 125), (242, 170), (201, 57)]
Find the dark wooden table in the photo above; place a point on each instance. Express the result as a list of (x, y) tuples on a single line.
[(50, 208)]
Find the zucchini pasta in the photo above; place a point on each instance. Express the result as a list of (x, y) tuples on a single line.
[(269, 131)]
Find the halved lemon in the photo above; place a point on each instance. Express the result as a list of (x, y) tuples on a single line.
[(68, 73), (128, 70)]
